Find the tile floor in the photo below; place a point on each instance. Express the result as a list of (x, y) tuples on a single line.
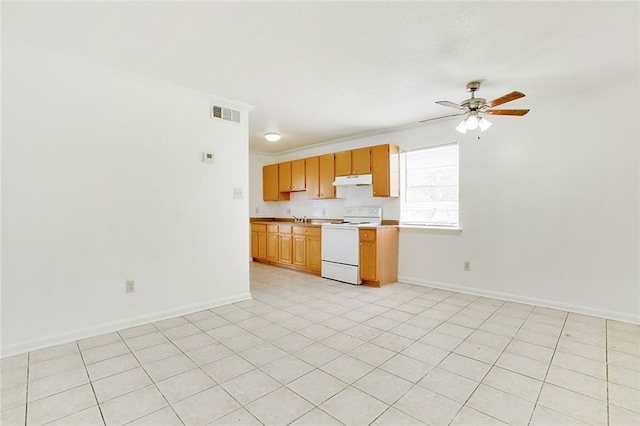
[(318, 352)]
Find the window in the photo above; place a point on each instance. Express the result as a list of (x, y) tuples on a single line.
[(429, 179)]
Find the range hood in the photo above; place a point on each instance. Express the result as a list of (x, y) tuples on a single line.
[(353, 180)]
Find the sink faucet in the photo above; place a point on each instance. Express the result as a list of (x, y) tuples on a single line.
[(295, 218)]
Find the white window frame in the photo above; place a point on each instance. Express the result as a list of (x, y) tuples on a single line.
[(427, 224)]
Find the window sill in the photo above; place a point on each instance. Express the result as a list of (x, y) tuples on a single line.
[(430, 230)]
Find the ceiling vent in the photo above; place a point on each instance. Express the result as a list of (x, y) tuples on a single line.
[(224, 113)]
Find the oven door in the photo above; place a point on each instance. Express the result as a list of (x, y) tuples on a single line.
[(341, 244)]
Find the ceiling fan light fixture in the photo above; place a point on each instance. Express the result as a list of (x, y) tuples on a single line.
[(272, 137), (462, 128), (472, 122), (484, 124)]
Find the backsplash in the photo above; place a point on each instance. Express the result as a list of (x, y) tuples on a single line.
[(299, 205)]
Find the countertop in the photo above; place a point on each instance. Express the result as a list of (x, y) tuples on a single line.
[(314, 223)]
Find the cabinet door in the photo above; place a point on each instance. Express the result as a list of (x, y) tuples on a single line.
[(368, 261), (262, 245), (255, 244), (270, 183), (314, 250), (361, 161), (285, 248), (297, 175), (312, 172), (284, 176), (299, 250), (272, 246), (327, 176), (343, 163)]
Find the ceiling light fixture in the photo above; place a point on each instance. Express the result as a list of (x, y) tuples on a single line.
[(272, 137), (471, 122)]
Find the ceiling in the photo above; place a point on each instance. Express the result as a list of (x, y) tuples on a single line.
[(323, 71)]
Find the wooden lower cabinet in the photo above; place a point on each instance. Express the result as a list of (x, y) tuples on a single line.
[(297, 247), (379, 255)]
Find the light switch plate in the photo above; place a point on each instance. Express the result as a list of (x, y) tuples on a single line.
[(237, 193)]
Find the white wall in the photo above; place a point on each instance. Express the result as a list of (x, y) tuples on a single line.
[(103, 182), (549, 205)]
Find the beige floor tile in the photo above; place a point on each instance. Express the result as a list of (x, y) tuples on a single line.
[(372, 354), (341, 406), (15, 361), (208, 354), (427, 406), (478, 351), (57, 383), (53, 352), (250, 386), (407, 368), (88, 417), (13, 416), (290, 407), (624, 360), (147, 340), (346, 368), (193, 341), (466, 367), (12, 377), (573, 404), (392, 341), (184, 330), (132, 406), (454, 330), (242, 342), (624, 397), (513, 383), (205, 407), (287, 369), (112, 366), (237, 417), (621, 417), (384, 386), (342, 342), (139, 330), (184, 385), (587, 338), (262, 354), (543, 416), (163, 417), (292, 342), (537, 338), (317, 386), (227, 368), (156, 353), (495, 341), (169, 367), (471, 417), (394, 417), (582, 349), (501, 405), (121, 383), (101, 340), (100, 353), (271, 332), (13, 397), (630, 348), (211, 323), (316, 417), (577, 382), (51, 367), (454, 387), (580, 364), (60, 405), (523, 365), (363, 332), (624, 376), (425, 353), (170, 323), (317, 332), (317, 354), (442, 341)]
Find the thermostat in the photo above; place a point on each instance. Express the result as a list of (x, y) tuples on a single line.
[(207, 157)]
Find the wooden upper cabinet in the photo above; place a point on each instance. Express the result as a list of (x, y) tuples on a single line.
[(298, 175), (354, 162), (361, 161), (327, 176), (284, 176), (385, 168), (270, 184), (312, 172)]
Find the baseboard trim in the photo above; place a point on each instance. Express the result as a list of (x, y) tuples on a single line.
[(117, 325), (579, 309)]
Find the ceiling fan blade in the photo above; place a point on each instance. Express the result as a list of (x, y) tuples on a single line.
[(506, 98), (444, 116), (518, 112), (449, 104)]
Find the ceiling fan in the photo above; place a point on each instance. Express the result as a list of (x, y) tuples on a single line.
[(475, 109)]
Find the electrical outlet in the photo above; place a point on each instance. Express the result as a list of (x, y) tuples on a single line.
[(130, 286), (467, 265), (257, 210), (237, 193)]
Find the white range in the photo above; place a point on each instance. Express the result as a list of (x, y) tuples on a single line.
[(341, 243)]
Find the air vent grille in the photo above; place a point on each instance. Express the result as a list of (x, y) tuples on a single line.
[(223, 113)]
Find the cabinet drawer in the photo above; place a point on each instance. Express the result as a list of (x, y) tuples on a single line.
[(285, 229), (367, 235), (272, 228), (307, 230), (258, 227)]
